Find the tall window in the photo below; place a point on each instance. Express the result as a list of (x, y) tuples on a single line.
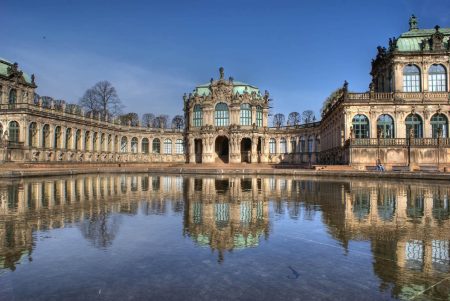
[(385, 126), (78, 140), (68, 143), (12, 97), (221, 115), (272, 146), (293, 145), (57, 141), (437, 78), (46, 136), (95, 142), (414, 122), (167, 146), (310, 144), (259, 116), (246, 114), (439, 123), (32, 134), (198, 116), (303, 145), (124, 145), (283, 146), (361, 126), (14, 131), (144, 146), (103, 145), (134, 145), (156, 146), (179, 146), (411, 78), (87, 140)]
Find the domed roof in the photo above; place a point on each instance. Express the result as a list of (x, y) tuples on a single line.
[(238, 87), (416, 39), (4, 65)]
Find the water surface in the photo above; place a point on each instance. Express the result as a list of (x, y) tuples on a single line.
[(151, 237)]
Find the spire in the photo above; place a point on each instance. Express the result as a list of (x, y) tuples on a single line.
[(413, 25)]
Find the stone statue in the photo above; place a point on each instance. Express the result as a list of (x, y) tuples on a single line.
[(413, 24), (221, 71)]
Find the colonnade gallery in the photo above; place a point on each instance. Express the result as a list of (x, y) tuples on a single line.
[(401, 121)]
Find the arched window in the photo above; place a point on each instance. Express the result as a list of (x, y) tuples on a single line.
[(14, 131), (156, 146), (94, 142), (68, 141), (57, 140), (272, 146), (179, 146), (293, 145), (46, 136), (414, 122), (221, 115), (198, 116), (411, 78), (32, 134), (259, 116), (439, 123), (303, 145), (167, 146), (437, 78), (110, 144), (134, 145), (124, 145), (283, 146), (78, 140), (144, 146), (246, 114), (361, 126), (310, 144), (385, 126), (12, 97), (87, 140), (103, 142)]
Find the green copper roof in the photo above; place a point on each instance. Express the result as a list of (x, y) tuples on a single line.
[(238, 87), (4, 65), (411, 40)]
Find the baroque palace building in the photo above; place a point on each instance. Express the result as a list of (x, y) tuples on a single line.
[(402, 121)]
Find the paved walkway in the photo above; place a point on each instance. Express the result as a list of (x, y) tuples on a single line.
[(9, 170)]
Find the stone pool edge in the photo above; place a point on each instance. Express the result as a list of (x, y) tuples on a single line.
[(225, 171)]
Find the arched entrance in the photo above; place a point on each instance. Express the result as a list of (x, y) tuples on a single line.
[(198, 150), (222, 149), (246, 150)]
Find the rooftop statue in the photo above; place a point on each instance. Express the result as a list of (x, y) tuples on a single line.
[(413, 25)]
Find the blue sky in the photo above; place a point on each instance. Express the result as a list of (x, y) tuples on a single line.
[(154, 51)]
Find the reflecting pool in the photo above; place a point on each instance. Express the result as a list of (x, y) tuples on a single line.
[(152, 237)]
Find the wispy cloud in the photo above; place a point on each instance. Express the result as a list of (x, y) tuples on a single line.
[(67, 75)]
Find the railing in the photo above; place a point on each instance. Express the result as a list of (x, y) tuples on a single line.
[(383, 142), (398, 96)]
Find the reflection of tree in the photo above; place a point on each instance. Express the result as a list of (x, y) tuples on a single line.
[(100, 229)]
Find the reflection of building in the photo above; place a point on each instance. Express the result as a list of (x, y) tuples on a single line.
[(226, 214), (409, 226), (406, 225)]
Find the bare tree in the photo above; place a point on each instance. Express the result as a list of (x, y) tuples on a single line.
[(307, 116), (131, 119), (89, 101), (178, 122), (278, 120), (161, 121), (294, 118), (147, 119), (102, 98)]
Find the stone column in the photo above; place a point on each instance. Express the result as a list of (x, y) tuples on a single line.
[(191, 149), (254, 154)]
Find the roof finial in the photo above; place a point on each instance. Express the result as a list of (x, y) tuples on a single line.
[(221, 72), (413, 24)]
